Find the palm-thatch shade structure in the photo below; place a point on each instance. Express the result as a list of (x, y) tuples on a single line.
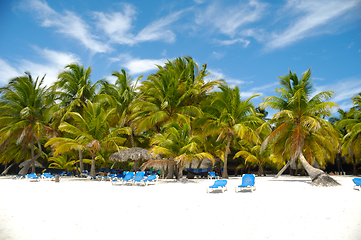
[(131, 154), (37, 164), (157, 164)]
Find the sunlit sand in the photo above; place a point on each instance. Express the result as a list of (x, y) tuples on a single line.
[(286, 208)]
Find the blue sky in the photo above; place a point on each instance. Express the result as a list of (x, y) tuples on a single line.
[(246, 43)]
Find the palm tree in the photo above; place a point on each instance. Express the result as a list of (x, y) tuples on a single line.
[(179, 143), (120, 95), (91, 131), (351, 142), (300, 125), (24, 107), (171, 95), (229, 117), (73, 89)]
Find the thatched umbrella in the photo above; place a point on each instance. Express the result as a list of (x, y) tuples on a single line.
[(132, 154), (160, 164), (37, 164)]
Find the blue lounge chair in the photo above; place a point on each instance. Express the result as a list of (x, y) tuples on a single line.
[(47, 176), (248, 181), (128, 176), (150, 179), (222, 184), (357, 182), (32, 177), (138, 177), (212, 175)]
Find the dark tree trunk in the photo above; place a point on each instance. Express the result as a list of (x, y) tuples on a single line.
[(260, 170), (7, 169), (92, 169), (225, 173), (81, 164), (283, 169), (25, 169), (318, 177), (339, 162), (32, 157), (354, 165)]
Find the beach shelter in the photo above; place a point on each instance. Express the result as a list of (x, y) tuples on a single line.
[(160, 164), (135, 154)]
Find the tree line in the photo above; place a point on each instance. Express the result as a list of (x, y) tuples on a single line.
[(177, 113)]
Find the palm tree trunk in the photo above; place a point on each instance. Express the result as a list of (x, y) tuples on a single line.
[(25, 169), (81, 164), (7, 169), (318, 177), (225, 173), (92, 169), (32, 156), (354, 165), (284, 168)]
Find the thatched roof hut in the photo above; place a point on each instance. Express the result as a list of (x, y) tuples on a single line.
[(131, 154), (37, 164)]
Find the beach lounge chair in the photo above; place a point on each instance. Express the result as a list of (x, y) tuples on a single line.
[(116, 178), (32, 177), (212, 175), (128, 176), (137, 178), (357, 182), (47, 176), (248, 181), (222, 184), (150, 179)]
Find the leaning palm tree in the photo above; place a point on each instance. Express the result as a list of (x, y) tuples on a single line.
[(301, 129), (91, 131), (229, 117), (24, 115)]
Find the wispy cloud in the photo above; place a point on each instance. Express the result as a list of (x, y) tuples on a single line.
[(310, 18), (229, 19), (233, 41), (68, 23), (137, 66), (52, 62)]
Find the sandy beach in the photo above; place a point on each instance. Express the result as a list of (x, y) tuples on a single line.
[(286, 208)]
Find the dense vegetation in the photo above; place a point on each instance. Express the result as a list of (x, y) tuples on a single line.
[(176, 113)]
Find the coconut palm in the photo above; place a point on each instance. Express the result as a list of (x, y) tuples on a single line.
[(229, 117), (24, 107), (301, 130), (171, 95), (120, 95), (73, 89), (351, 142), (91, 131), (179, 143)]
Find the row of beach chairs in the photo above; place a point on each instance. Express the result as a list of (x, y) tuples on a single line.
[(134, 178), (44, 176)]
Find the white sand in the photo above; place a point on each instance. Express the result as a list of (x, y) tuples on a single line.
[(286, 208)]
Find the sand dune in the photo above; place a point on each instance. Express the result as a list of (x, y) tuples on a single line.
[(286, 208)]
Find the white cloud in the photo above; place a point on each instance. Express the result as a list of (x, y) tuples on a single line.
[(159, 29), (7, 72), (233, 41), (53, 63), (117, 25), (228, 20), (137, 66), (69, 24), (309, 18)]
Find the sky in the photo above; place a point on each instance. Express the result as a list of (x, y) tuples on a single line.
[(246, 43)]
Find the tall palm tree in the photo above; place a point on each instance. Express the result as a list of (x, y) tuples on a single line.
[(120, 95), (229, 117), (91, 131), (24, 115), (171, 95), (351, 142), (300, 125), (73, 89), (179, 143)]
